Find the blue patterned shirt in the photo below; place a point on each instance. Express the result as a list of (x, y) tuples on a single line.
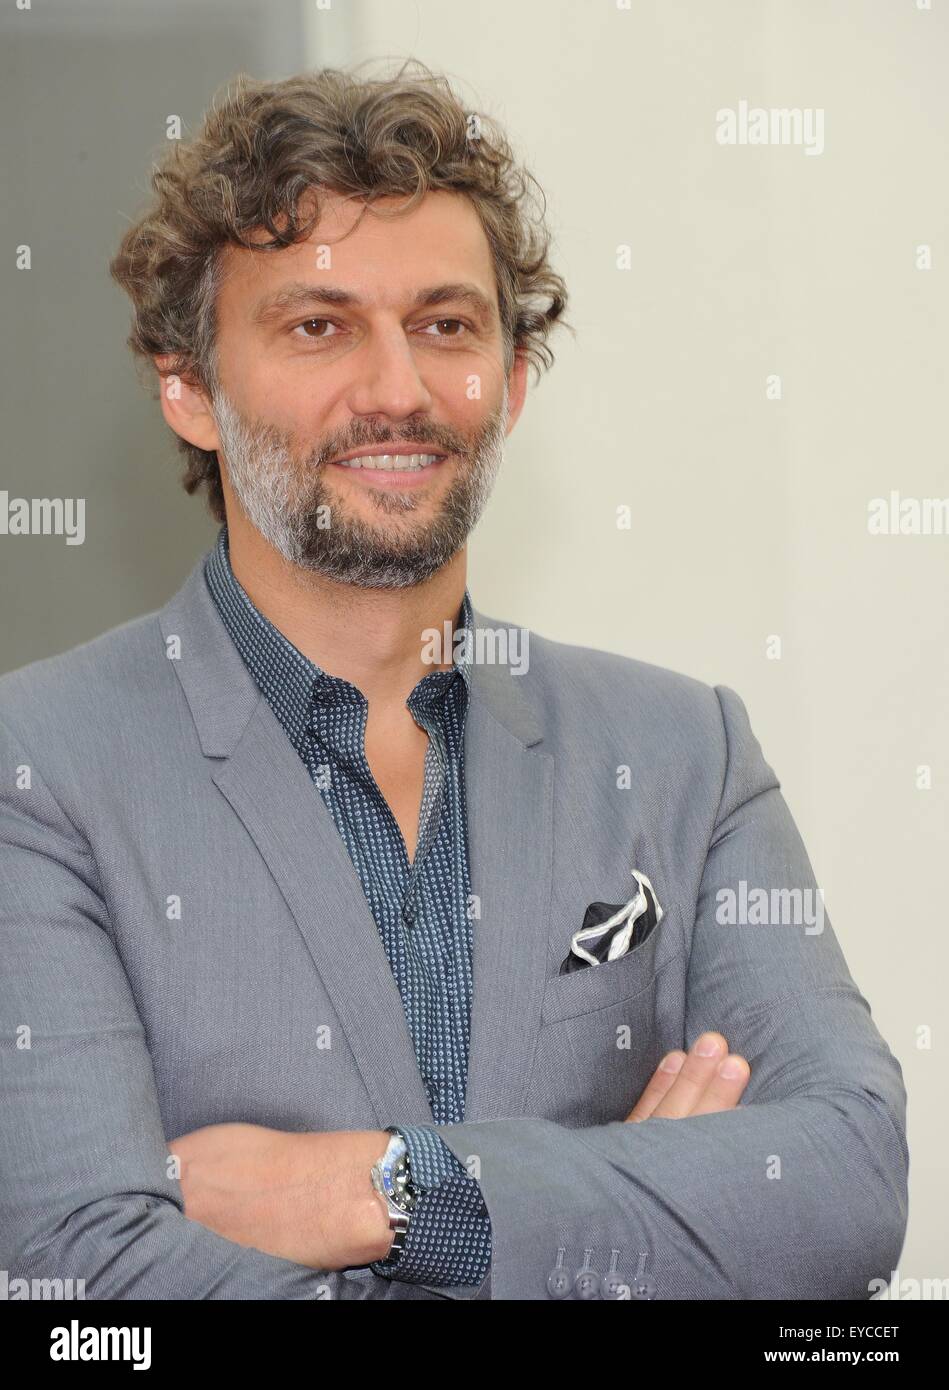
[(420, 909)]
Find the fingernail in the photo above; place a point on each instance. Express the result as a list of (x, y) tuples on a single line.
[(672, 1062), (707, 1045), (731, 1069)]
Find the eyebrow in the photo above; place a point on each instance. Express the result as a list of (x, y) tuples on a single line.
[(298, 296)]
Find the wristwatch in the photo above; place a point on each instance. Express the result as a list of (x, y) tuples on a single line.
[(392, 1178)]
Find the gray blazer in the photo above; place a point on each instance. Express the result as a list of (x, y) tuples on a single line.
[(186, 942)]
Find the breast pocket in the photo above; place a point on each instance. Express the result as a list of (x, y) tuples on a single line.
[(598, 986), (599, 1043)]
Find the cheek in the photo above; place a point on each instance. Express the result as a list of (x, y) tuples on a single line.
[(264, 387), (466, 398), (277, 399)]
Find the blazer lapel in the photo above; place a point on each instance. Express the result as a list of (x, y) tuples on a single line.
[(270, 790), (509, 793), (509, 800)]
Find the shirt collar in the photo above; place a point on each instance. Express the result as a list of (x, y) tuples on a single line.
[(290, 681)]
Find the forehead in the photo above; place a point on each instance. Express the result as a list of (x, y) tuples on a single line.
[(384, 259)]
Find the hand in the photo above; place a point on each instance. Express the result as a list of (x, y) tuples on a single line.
[(302, 1197), (694, 1085)]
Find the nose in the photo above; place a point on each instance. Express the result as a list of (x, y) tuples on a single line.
[(387, 380)]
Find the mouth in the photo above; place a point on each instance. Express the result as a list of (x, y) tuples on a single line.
[(392, 470)]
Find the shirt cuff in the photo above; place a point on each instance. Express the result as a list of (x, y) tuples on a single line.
[(449, 1237)]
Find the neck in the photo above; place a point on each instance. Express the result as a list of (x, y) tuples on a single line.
[(369, 637)]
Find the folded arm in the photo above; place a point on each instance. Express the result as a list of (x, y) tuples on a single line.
[(800, 1192), (86, 1190)]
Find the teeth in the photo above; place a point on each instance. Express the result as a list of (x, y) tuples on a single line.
[(390, 462)]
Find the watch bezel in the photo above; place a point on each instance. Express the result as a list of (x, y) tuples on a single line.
[(395, 1174), (399, 1198)]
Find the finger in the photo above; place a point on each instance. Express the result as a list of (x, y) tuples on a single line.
[(662, 1079), (724, 1092), (697, 1071)]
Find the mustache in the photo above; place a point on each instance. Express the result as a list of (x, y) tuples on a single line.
[(432, 438)]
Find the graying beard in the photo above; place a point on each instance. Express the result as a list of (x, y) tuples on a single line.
[(261, 474), (265, 480)]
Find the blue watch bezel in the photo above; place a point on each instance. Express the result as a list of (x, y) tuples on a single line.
[(388, 1168)]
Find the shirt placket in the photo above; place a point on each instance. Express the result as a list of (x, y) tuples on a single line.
[(447, 1096), (433, 800)]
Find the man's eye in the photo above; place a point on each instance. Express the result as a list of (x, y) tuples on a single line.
[(438, 322), (308, 324)]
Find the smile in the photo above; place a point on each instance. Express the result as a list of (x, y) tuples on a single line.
[(388, 463)]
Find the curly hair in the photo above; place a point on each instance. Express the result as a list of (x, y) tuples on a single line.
[(262, 146)]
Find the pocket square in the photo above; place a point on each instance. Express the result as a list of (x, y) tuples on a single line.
[(610, 930)]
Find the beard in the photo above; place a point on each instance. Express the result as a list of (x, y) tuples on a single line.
[(289, 501)]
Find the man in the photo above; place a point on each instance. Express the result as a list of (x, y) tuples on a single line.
[(346, 929)]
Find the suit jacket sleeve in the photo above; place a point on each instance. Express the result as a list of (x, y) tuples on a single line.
[(84, 1185), (449, 1236), (801, 1192)]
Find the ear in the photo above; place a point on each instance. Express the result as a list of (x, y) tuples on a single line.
[(517, 389), (186, 407)]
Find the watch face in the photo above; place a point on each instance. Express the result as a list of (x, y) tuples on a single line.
[(395, 1177)]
